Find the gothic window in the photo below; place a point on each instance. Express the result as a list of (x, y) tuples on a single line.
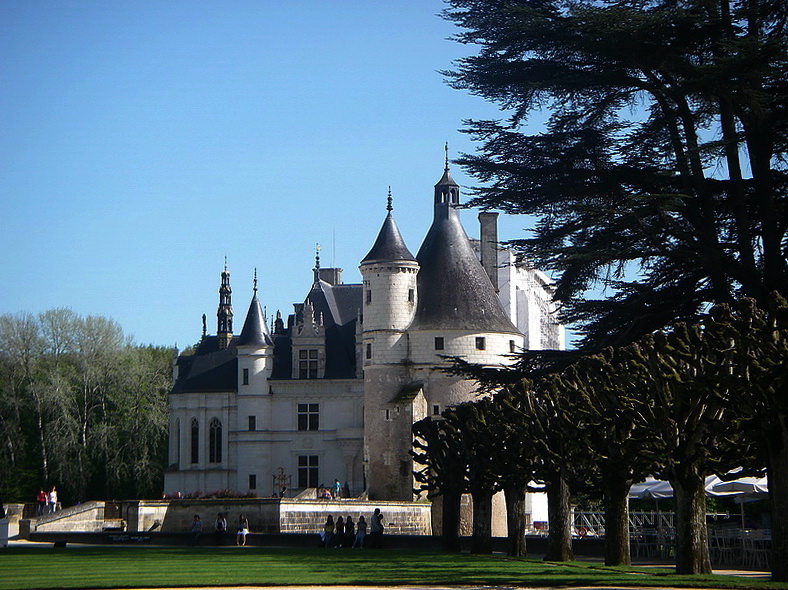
[(439, 343), (481, 343), (307, 364), (195, 440), (307, 471), (215, 441), (308, 417)]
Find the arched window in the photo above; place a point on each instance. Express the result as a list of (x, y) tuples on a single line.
[(215, 441), (195, 440)]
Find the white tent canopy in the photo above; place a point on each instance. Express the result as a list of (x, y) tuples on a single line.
[(657, 489)]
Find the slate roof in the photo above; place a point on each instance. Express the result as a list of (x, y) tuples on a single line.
[(455, 292), (389, 245), (209, 369), (255, 332)]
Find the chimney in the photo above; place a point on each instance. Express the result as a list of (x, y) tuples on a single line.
[(489, 245)]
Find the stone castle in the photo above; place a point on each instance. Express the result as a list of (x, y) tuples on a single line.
[(332, 393)]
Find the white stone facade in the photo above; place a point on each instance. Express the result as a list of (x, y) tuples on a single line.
[(334, 393)]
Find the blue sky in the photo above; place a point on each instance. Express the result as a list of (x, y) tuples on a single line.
[(143, 141)]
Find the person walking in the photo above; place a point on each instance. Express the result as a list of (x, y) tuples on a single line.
[(350, 532), (336, 491), (196, 529), (41, 502), (376, 530), (328, 531), (361, 532), (243, 530), (52, 500), (219, 528)]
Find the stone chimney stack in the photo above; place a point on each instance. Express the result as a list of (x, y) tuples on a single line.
[(489, 245)]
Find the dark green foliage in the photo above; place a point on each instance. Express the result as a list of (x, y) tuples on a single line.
[(80, 408), (661, 172)]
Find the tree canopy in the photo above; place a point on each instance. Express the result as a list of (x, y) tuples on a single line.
[(660, 175), (80, 407)]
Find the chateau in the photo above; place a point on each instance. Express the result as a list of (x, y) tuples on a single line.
[(333, 392)]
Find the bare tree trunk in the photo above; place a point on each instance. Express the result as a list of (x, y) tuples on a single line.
[(481, 541), (778, 498), (450, 512), (692, 545), (515, 519), (559, 537), (616, 507)]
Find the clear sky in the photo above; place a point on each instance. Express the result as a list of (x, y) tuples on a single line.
[(142, 141)]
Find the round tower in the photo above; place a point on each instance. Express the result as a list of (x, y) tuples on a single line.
[(389, 273)]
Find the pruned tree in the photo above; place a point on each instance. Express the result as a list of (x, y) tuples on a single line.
[(442, 474)]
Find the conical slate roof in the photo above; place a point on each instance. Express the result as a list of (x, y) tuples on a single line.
[(455, 292), (255, 332), (389, 246)]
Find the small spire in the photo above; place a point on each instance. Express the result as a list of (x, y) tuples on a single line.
[(388, 206), (446, 149), (255, 281), (317, 263)]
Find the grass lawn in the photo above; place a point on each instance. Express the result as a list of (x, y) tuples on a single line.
[(139, 567)]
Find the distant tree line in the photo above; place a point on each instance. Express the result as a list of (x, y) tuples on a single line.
[(680, 404), (81, 407)]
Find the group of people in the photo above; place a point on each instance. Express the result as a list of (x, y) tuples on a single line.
[(220, 529), (335, 492), (46, 503), (345, 533)]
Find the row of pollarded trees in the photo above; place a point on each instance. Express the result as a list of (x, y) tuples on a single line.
[(680, 404), (80, 407)]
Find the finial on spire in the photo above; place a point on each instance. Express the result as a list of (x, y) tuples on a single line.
[(225, 263), (317, 256), (446, 149), (388, 205), (255, 281)]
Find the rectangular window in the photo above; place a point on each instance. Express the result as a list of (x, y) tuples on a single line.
[(308, 416), (252, 481), (512, 346), (387, 415), (246, 377), (369, 351), (436, 410), (307, 364), (481, 343), (252, 422), (369, 296), (411, 295), (439, 343), (307, 471)]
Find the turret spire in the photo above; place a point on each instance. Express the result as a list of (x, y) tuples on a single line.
[(224, 315)]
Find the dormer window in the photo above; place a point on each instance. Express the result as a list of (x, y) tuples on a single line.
[(307, 363)]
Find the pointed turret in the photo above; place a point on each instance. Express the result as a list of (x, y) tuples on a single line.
[(454, 289), (255, 332), (224, 315), (389, 246)]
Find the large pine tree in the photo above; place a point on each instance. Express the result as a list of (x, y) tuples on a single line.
[(660, 174)]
